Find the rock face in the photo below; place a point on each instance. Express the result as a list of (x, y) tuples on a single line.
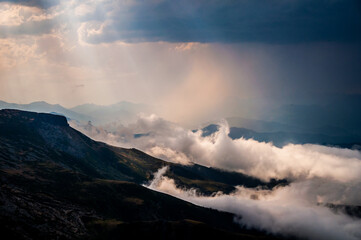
[(18, 116), (58, 184)]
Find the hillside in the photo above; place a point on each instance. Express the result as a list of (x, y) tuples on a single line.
[(58, 183)]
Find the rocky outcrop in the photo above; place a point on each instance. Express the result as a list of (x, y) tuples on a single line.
[(12, 115)]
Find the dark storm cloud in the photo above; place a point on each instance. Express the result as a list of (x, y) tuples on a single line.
[(35, 3), (275, 21)]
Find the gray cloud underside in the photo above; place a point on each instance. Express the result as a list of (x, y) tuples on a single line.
[(235, 21), (276, 21), (35, 3)]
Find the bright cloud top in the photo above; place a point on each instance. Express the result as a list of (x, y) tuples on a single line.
[(288, 210), (262, 160), (319, 176)]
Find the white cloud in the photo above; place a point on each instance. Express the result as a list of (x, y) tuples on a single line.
[(319, 175), (290, 210), (15, 15), (258, 159)]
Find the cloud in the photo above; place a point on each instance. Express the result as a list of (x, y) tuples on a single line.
[(28, 28), (186, 46), (15, 52), (275, 21), (290, 211), (34, 3), (259, 159), (22, 20), (319, 175), (84, 9), (202, 81)]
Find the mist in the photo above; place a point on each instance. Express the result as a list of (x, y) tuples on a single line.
[(173, 143), (318, 175), (289, 211)]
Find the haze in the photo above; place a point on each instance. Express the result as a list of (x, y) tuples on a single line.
[(193, 61)]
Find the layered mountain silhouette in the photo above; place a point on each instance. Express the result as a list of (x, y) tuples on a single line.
[(122, 111), (125, 111), (45, 107), (293, 131), (281, 138), (56, 183)]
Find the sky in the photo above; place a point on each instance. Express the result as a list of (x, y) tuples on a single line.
[(292, 61), (193, 60)]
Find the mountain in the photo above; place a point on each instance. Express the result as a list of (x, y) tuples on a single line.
[(340, 114), (124, 111), (282, 138), (45, 107), (58, 183), (262, 126)]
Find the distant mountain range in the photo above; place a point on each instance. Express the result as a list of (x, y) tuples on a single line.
[(262, 126), (113, 116), (281, 137), (124, 112), (56, 183), (45, 107), (342, 113)]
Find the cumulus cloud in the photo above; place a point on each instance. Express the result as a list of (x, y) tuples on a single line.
[(290, 210), (259, 159), (18, 20)]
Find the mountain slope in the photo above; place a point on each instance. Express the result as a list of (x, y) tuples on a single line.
[(38, 136), (57, 183)]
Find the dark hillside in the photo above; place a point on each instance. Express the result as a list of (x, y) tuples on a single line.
[(57, 183)]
